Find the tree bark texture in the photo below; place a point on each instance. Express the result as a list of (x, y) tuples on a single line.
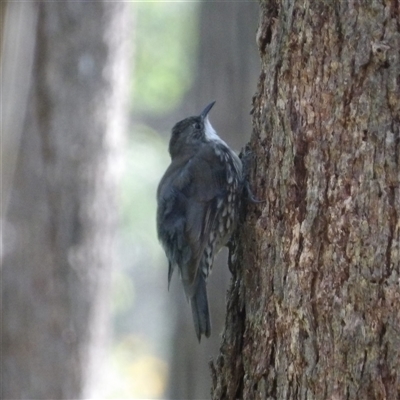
[(61, 216), (314, 303)]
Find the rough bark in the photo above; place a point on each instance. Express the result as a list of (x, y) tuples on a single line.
[(61, 217), (227, 72), (314, 304)]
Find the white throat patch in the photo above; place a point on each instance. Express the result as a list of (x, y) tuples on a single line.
[(210, 132)]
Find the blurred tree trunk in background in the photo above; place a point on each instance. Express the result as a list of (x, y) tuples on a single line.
[(17, 52), (227, 72), (61, 217), (313, 309)]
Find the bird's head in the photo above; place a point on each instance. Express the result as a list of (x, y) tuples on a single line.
[(190, 132)]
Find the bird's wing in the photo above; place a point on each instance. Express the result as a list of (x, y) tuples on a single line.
[(190, 197)]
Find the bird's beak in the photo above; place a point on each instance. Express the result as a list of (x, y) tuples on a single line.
[(207, 110)]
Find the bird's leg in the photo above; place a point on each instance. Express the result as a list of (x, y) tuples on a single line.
[(250, 196)]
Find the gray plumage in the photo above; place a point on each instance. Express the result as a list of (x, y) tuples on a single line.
[(198, 200)]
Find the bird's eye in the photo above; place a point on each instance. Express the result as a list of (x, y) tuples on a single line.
[(197, 125)]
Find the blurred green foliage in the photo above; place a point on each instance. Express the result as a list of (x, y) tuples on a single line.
[(165, 54), (132, 372), (146, 158)]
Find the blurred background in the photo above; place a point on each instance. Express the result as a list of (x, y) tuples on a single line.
[(89, 94)]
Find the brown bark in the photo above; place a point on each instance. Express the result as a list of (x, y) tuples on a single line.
[(61, 216), (314, 304)]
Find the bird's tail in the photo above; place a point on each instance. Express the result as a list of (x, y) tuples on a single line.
[(201, 315)]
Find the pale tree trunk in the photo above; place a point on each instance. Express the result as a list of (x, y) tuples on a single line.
[(314, 307), (61, 215), (227, 72)]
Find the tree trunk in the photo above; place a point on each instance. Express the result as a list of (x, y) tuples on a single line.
[(61, 215), (314, 304)]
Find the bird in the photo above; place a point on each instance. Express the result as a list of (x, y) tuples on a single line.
[(198, 202)]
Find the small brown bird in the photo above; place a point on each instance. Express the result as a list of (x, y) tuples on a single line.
[(198, 206)]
